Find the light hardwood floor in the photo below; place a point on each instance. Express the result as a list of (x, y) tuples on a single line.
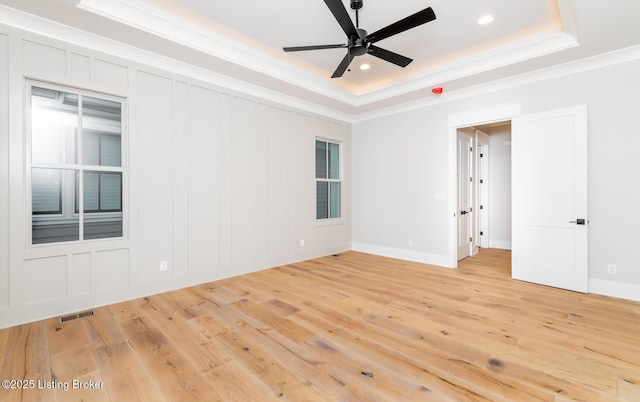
[(352, 327)]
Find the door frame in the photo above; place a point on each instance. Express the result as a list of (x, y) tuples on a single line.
[(466, 180), (482, 204), (456, 121)]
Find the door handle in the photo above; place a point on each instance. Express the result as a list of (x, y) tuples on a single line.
[(579, 221)]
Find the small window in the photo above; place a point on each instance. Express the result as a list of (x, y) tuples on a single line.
[(328, 180), (75, 165)]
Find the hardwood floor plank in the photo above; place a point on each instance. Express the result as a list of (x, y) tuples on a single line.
[(173, 374), (125, 376), (351, 327), (628, 391), (103, 330), (16, 361), (72, 363), (159, 314), (67, 336)]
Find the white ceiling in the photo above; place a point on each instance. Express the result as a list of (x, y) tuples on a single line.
[(244, 40)]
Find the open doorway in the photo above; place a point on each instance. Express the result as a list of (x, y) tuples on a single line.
[(483, 177), (549, 227)]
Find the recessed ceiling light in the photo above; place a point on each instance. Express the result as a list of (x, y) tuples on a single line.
[(485, 19), (365, 66)]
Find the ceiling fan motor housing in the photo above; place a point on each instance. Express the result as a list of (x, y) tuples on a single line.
[(356, 4), (358, 46)]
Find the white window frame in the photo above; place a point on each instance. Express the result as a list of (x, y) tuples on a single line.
[(68, 200), (339, 180)]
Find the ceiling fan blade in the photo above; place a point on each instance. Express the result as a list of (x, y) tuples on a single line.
[(389, 56), (344, 64), (318, 47), (412, 21), (340, 13)]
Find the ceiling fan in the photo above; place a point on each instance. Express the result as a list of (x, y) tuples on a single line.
[(359, 42)]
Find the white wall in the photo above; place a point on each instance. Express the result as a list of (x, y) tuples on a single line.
[(401, 165), (4, 172), (220, 183), (500, 187), (400, 185)]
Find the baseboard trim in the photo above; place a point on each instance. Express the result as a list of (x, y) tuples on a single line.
[(408, 255), (501, 244), (614, 289)]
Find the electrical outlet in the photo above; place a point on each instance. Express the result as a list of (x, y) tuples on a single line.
[(612, 269), (410, 243), (301, 242), (164, 266)]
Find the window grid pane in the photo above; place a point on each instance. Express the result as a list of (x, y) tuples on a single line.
[(322, 200), (334, 161), (58, 139), (91, 193), (110, 192), (321, 160), (334, 200), (46, 191)]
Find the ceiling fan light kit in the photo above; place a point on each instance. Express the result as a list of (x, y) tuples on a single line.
[(359, 42)]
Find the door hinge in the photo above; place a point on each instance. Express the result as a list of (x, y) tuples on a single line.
[(482, 155), (481, 181), (471, 209), (481, 206), (470, 179), (481, 233), (470, 149), (470, 239)]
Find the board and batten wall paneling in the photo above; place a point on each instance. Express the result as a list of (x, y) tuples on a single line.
[(225, 179), (110, 75), (305, 185), (218, 184), (278, 175), (4, 172), (111, 269), (80, 67), (40, 60), (245, 183), (80, 278), (181, 179), (204, 174), (154, 166), (45, 279)]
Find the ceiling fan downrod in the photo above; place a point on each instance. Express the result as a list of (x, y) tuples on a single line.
[(357, 5)]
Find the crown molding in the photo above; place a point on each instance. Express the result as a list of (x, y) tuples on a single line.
[(57, 31), (154, 21), (54, 30), (157, 22), (586, 64), (526, 49)]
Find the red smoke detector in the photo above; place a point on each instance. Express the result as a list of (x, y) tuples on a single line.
[(437, 90)]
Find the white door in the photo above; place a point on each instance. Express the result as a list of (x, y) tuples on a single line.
[(464, 196), (549, 198)]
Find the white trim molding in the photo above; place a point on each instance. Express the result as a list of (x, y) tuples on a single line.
[(614, 289), (407, 255), (486, 115), (225, 47), (501, 244), (158, 22)]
